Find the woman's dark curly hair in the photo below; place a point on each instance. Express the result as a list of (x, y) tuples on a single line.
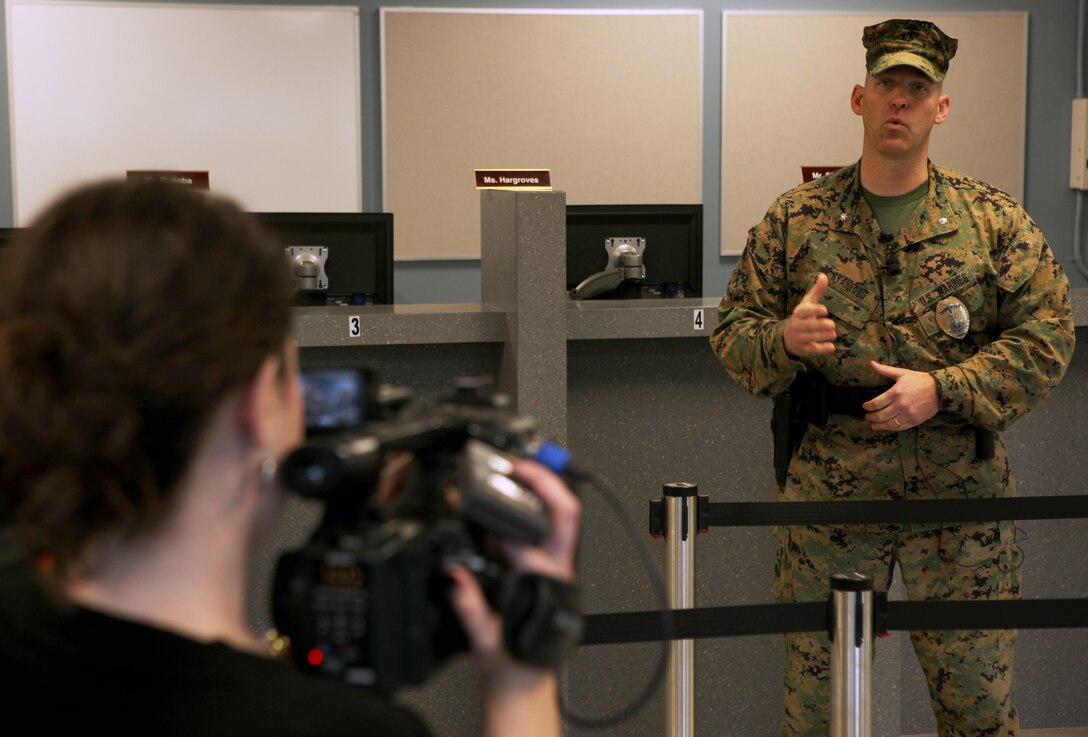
[(128, 312)]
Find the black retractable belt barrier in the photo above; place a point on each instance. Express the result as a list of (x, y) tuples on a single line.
[(870, 614), (812, 616), (985, 615), (758, 514), (766, 619), (727, 621)]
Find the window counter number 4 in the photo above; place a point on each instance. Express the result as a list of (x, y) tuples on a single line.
[(698, 320), (355, 328)]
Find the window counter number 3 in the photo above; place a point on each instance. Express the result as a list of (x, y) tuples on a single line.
[(355, 328)]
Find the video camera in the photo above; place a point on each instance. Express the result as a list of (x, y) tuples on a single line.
[(365, 599)]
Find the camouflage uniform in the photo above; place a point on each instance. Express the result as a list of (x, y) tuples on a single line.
[(966, 242)]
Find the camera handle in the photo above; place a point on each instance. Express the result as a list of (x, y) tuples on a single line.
[(541, 619)]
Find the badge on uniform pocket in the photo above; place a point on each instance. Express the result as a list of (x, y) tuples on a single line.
[(953, 317)]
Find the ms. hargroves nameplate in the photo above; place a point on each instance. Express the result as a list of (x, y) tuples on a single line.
[(533, 180)]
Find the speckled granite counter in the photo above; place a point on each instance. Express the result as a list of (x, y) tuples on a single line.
[(659, 318), (483, 323), (399, 325)]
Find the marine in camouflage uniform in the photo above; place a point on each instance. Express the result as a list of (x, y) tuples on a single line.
[(976, 301)]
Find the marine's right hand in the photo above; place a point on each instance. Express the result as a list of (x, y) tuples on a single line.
[(808, 330)]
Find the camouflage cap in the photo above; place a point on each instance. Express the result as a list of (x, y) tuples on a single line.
[(915, 43)]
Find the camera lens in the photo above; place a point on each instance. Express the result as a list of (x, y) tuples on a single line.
[(311, 471)]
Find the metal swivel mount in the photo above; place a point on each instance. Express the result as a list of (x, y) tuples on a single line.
[(308, 267), (624, 264)]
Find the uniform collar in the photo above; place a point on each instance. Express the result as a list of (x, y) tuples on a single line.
[(850, 213)]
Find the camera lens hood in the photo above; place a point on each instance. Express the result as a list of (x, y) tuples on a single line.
[(323, 468)]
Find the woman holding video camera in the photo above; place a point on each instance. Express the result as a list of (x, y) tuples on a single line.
[(148, 390)]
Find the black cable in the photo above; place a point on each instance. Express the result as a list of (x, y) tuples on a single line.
[(636, 705)]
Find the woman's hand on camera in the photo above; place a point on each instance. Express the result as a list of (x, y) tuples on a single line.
[(520, 699), (553, 557)]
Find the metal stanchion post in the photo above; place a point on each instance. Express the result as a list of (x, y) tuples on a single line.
[(680, 530), (851, 655)]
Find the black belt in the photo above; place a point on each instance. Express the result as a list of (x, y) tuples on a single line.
[(830, 399), (821, 398), (847, 400)]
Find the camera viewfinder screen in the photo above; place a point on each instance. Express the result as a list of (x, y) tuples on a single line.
[(335, 398)]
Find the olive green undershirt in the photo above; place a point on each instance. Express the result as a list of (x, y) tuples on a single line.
[(892, 212)]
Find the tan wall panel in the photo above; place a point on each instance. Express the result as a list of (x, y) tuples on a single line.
[(265, 99), (786, 103), (611, 103)]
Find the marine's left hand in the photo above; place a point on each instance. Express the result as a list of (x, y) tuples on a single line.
[(910, 401)]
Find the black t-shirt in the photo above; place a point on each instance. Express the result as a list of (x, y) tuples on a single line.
[(77, 672)]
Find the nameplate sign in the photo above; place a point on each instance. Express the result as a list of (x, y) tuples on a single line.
[(533, 180), (808, 173), (194, 179)]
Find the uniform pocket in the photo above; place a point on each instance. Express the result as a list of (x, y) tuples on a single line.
[(982, 545), (949, 462), (849, 309), (850, 305)]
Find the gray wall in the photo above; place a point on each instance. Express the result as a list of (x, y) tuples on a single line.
[(1051, 87)]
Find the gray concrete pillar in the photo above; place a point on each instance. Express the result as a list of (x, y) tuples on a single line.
[(523, 272)]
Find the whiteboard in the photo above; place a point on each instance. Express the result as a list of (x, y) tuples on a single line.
[(609, 100), (265, 99), (786, 83)]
